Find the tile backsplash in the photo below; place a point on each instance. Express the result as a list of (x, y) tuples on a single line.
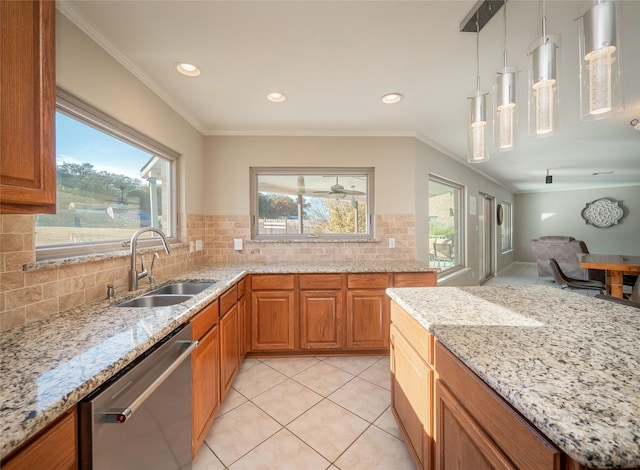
[(27, 296)]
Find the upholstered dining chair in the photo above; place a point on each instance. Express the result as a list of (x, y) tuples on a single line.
[(565, 281)]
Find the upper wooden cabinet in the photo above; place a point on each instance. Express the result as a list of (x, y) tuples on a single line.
[(27, 107)]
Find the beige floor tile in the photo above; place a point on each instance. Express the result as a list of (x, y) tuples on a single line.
[(240, 430), (376, 450), (328, 428), (260, 378), (362, 398), (282, 451), (323, 378), (206, 460), (387, 423), (286, 401), (249, 363), (291, 366), (352, 364), (233, 400), (379, 374)]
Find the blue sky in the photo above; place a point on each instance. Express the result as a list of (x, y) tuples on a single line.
[(78, 143)]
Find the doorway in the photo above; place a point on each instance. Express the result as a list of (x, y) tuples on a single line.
[(486, 235)]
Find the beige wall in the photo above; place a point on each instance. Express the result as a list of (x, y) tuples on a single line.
[(558, 213)]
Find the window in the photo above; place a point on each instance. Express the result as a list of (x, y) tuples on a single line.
[(446, 224), (111, 181), (298, 203), (506, 227)]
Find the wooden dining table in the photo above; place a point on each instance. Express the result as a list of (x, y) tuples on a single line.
[(614, 266)]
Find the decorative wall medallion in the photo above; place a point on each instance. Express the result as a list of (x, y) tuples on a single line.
[(602, 213)]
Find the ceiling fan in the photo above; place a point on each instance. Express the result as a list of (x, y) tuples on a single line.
[(338, 190)]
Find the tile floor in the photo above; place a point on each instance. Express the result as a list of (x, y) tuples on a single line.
[(305, 414)]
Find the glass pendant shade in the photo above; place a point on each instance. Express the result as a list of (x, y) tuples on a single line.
[(477, 145), (544, 97), (600, 91), (505, 126)]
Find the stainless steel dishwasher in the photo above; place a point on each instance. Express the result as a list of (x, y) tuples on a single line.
[(141, 419)]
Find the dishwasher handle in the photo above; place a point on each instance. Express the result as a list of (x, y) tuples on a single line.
[(121, 416)]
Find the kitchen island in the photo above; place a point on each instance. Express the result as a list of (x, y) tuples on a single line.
[(567, 363)]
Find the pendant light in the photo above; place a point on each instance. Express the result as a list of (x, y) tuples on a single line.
[(477, 147), (600, 93), (543, 83), (505, 125)]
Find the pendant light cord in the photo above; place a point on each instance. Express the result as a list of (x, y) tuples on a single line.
[(478, 51), (505, 34), (544, 23)]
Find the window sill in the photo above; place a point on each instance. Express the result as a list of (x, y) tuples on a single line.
[(315, 240), (453, 274), (72, 260)]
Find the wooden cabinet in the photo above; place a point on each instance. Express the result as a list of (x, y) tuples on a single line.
[(243, 320), (55, 447), (205, 373), (273, 323), (229, 342), (367, 311), (412, 385), (27, 107), (321, 311), (476, 428)]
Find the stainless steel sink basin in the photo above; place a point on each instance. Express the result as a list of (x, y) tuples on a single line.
[(182, 288), (151, 300)]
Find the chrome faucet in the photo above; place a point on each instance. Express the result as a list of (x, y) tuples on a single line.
[(135, 275)]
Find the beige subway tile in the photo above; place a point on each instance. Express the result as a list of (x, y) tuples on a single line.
[(33, 278), (21, 297), (57, 288), (11, 281), (1, 301), (73, 270), (10, 242), (94, 267), (14, 261), (18, 223), (72, 300), (11, 318), (95, 293), (83, 282), (41, 310)]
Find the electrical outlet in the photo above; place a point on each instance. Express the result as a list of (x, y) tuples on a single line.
[(392, 243), (198, 245), (237, 244)]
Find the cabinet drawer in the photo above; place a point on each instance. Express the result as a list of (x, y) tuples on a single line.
[(368, 281), (242, 287), (228, 300), (514, 436), (416, 334), (320, 281), (273, 281), (204, 320), (426, 279)]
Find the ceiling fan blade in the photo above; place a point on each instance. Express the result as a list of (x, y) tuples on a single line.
[(352, 192)]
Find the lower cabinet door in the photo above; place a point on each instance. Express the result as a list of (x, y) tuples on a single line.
[(243, 325), (367, 319), (205, 384), (411, 398), (321, 320), (461, 443), (273, 320), (229, 350)]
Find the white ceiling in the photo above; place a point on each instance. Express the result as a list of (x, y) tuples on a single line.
[(335, 59)]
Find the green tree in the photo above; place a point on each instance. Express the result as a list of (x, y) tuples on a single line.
[(273, 206), (342, 216)]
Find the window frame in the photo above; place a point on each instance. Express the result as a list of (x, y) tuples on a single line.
[(255, 172), (77, 109), (462, 216), (507, 220)]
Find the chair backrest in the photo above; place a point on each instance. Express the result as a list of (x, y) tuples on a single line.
[(443, 250), (558, 275), (635, 292)]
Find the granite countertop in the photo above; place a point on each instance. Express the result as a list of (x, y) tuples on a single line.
[(48, 366), (567, 362)]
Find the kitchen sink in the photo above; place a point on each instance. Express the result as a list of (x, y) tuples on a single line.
[(182, 288), (152, 300)]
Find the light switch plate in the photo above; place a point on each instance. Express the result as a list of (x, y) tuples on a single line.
[(237, 244), (392, 243)]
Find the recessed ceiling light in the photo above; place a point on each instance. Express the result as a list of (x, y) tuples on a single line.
[(391, 98), (276, 97), (187, 69)]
